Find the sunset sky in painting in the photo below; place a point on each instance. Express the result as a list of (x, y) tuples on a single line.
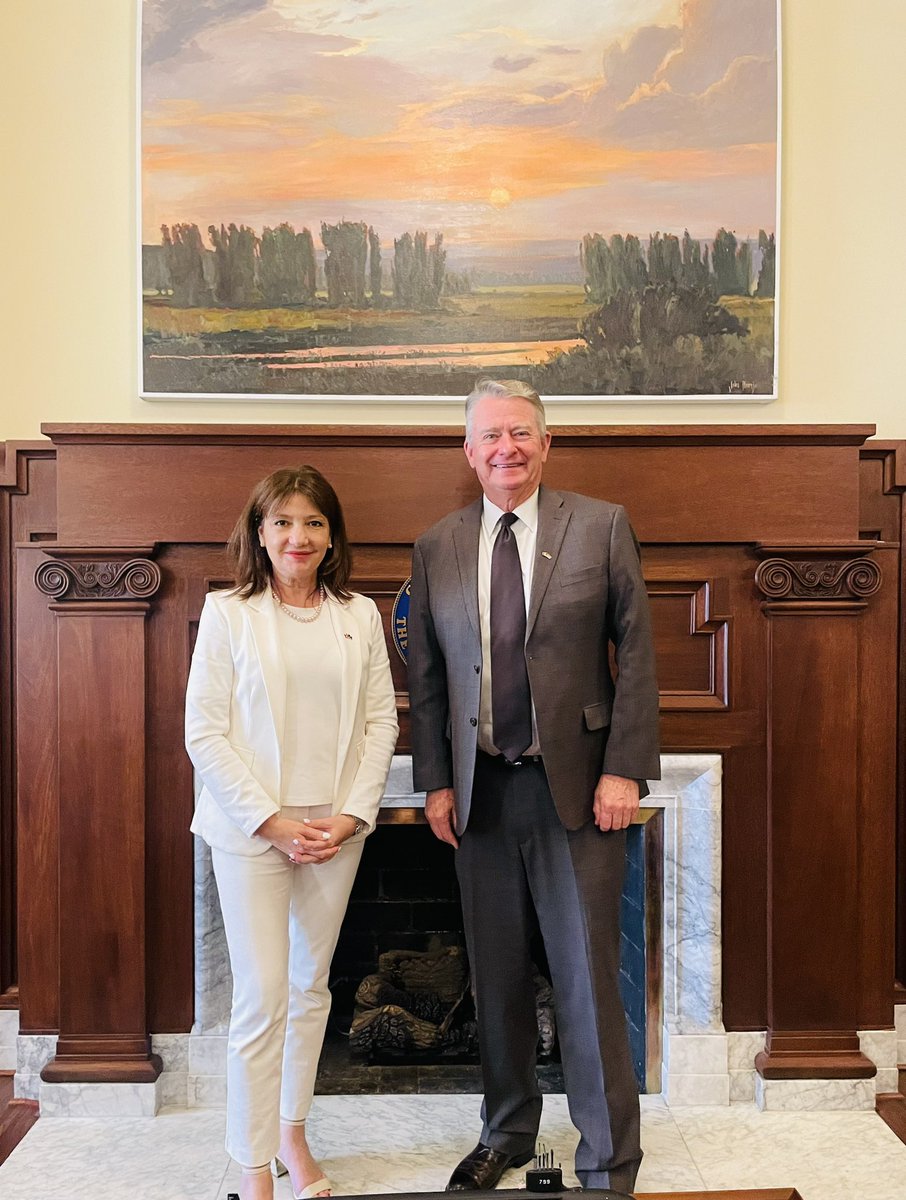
[(494, 122)]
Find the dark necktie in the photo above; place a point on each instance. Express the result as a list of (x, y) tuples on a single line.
[(511, 704)]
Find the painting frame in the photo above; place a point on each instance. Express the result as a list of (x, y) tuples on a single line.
[(742, 395)]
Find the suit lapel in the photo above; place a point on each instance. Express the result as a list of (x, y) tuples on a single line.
[(349, 640), (262, 618), (553, 518), (465, 543)]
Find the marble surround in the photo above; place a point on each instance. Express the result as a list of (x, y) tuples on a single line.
[(9, 1032), (703, 1065), (387, 1144)]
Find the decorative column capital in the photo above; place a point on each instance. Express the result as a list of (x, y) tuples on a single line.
[(828, 576), (81, 574)]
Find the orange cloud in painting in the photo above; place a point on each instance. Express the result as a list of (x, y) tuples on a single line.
[(284, 113)]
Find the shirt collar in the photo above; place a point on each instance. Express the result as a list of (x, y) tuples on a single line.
[(526, 512)]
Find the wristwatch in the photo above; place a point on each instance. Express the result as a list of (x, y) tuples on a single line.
[(359, 825)]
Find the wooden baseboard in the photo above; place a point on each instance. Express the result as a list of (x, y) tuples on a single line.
[(595, 1193), (891, 1108), (16, 1116), (735, 1194)]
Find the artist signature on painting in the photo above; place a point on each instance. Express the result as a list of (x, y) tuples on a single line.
[(742, 387)]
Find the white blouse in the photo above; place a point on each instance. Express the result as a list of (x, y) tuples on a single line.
[(313, 695)]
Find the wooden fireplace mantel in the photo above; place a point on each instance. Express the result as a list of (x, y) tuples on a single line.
[(401, 435), (772, 555)]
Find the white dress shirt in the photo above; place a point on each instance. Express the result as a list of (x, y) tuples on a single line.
[(525, 530)]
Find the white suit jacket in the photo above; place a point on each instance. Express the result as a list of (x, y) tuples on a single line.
[(235, 708)]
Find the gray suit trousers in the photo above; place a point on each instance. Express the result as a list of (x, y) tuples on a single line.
[(516, 865)]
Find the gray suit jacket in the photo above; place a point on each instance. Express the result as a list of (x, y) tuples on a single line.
[(587, 594)]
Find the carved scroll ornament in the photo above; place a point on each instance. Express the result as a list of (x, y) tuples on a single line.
[(816, 579), (91, 579)]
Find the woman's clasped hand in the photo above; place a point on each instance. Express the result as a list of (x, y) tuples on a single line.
[(312, 840)]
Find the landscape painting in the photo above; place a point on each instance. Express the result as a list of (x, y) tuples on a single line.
[(377, 198)]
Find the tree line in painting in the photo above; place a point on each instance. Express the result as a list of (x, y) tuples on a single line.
[(281, 268), (243, 270), (619, 265)]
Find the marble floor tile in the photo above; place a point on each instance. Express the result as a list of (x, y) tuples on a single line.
[(667, 1166), (174, 1156), (825, 1156), (390, 1144)]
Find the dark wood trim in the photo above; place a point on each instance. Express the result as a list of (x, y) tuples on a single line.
[(37, 807), (14, 465), (733, 1194), (783, 1193), (892, 457), (16, 1116), (891, 1108), (654, 941), (452, 435), (8, 950), (813, 1054), (74, 1063), (16, 461)]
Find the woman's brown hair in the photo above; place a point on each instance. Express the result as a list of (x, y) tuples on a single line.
[(253, 567)]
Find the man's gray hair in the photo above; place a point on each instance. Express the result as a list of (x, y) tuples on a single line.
[(504, 389)]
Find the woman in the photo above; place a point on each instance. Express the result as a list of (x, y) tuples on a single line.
[(291, 726)]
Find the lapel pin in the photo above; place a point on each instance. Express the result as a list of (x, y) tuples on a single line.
[(545, 554), (348, 637)]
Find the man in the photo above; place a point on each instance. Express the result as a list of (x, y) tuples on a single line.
[(532, 757)]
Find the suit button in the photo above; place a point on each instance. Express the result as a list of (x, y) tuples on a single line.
[(473, 720), (477, 668)]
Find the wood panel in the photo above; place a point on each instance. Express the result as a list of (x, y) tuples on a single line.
[(691, 644), (36, 793), (876, 798), (27, 512), (8, 959), (829, 781), (669, 481), (883, 514), (99, 852), (813, 800)]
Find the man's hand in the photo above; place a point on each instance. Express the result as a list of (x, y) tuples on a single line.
[(616, 802), (439, 810)]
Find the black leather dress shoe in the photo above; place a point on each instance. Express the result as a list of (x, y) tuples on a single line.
[(481, 1169)]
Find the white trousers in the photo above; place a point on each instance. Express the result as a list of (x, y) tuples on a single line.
[(282, 922)]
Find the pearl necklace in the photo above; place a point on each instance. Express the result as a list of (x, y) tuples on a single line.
[(291, 612)]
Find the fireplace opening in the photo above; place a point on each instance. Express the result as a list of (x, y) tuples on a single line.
[(404, 906)]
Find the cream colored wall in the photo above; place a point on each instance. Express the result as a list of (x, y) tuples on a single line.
[(67, 203)]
